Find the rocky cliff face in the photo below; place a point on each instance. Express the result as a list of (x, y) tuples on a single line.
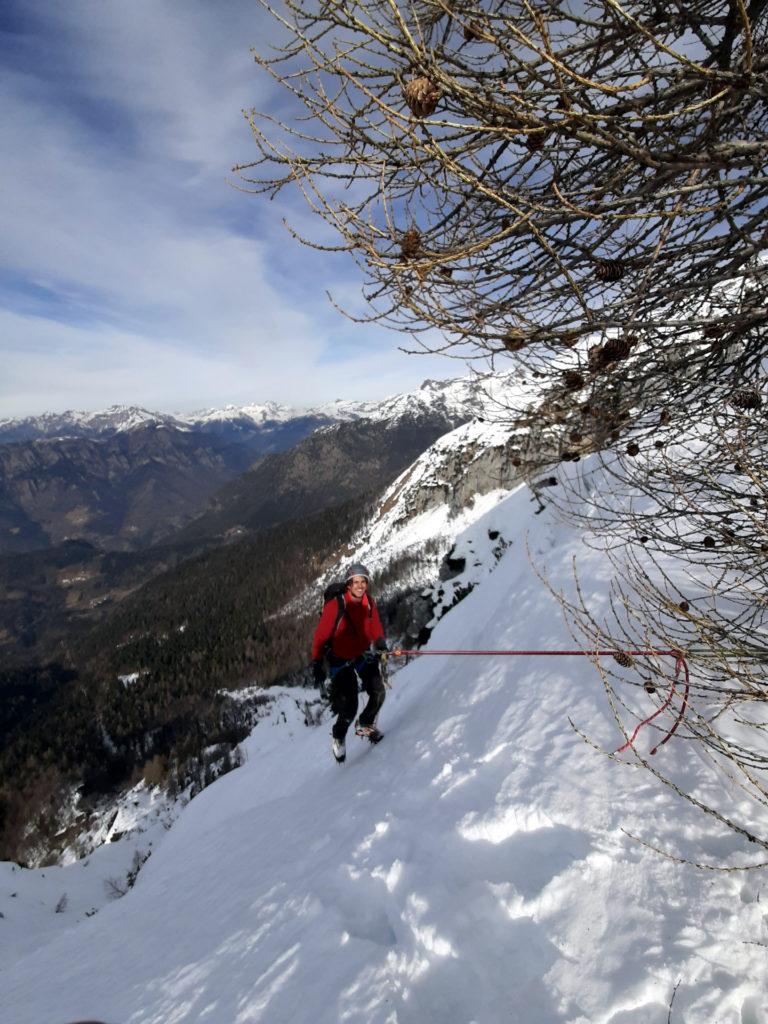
[(409, 539), (411, 543), (461, 466)]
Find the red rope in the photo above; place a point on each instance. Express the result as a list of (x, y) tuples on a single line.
[(680, 662)]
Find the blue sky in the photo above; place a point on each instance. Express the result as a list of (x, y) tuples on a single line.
[(130, 270)]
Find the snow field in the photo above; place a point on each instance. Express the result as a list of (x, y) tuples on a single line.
[(471, 869)]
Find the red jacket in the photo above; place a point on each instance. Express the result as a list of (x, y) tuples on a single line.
[(360, 626)]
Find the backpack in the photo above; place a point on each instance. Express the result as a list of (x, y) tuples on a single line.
[(335, 591)]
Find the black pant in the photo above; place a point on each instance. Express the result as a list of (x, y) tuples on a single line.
[(343, 692)]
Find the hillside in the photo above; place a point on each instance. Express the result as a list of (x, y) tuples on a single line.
[(123, 495), (475, 867), (121, 492), (330, 467)]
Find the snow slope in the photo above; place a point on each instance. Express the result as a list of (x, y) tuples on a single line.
[(471, 868)]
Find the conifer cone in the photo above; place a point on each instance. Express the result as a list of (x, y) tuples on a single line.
[(633, 449), (746, 399), (410, 243), (716, 330), (573, 380), (514, 340), (600, 357), (536, 141), (422, 96), (616, 349), (624, 659), (609, 270)]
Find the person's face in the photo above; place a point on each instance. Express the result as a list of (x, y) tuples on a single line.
[(357, 587)]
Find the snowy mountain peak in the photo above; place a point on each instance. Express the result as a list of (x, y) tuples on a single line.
[(257, 413), (489, 396), (76, 423)]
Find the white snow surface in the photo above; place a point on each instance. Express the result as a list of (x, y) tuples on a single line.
[(258, 413), (473, 868)]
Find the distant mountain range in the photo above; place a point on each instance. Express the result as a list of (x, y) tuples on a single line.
[(125, 478), (455, 399)]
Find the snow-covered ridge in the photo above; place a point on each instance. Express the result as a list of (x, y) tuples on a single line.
[(455, 482), (258, 414), (457, 399), (461, 476), (481, 396), (115, 419)]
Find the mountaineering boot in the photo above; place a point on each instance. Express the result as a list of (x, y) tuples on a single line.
[(339, 750), (369, 732)]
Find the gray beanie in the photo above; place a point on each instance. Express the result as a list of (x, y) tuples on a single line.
[(357, 569)]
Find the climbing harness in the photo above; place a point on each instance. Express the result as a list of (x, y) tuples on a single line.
[(621, 656)]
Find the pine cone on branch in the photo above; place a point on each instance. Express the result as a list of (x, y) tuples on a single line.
[(616, 349), (610, 270), (422, 96), (573, 380), (410, 243), (746, 399), (536, 140), (600, 357), (514, 340), (623, 659)]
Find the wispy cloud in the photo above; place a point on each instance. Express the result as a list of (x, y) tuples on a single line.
[(131, 270)]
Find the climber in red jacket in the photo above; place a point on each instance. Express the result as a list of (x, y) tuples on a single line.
[(350, 638)]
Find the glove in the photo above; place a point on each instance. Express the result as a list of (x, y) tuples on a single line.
[(318, 671)]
